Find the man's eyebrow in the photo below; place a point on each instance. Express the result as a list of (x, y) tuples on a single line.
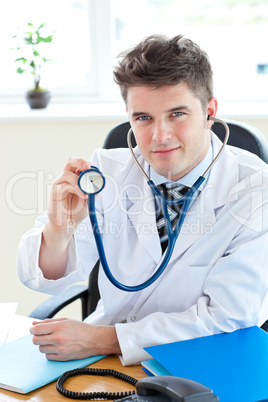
[(137, 114), (178, 108), (174, 109)]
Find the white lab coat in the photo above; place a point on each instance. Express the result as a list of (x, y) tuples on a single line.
[(217, 278)]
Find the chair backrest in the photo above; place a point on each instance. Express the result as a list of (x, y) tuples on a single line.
[(241, 135)]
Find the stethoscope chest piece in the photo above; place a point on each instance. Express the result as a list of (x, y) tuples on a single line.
[(91, 181)]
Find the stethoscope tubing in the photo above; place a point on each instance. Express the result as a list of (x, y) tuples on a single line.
[(104, 263), (172, 234)]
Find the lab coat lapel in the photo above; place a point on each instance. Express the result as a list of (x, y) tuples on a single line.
[(141, 211)]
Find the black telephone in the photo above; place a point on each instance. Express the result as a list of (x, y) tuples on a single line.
[(149, 389), (170, 389)]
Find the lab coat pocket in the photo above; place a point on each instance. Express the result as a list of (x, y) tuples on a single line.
[(181, 286)]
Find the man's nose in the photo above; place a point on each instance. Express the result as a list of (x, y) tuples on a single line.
[(161, 133)]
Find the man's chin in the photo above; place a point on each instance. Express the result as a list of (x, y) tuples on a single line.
[(168, 174)]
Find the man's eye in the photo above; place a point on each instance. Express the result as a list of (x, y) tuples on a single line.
[(176, 114), (143, 118)]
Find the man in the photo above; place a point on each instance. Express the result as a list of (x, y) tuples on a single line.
[(216, 280)]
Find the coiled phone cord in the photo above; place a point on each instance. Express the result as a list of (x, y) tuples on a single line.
[(86, 396)]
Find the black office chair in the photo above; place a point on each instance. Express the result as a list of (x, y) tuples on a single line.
[(241, 135)]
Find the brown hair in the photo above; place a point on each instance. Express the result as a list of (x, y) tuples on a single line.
[(157, 61)]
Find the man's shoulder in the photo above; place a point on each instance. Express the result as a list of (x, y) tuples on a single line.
[(115, 162), (114, 156), (248, 162)]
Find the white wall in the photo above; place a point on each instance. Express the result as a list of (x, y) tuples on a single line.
[(32, 149)]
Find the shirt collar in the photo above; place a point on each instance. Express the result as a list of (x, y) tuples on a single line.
[(190, 178)]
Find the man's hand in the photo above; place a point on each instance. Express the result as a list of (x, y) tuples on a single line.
[(67, 208), (68, 204), (65, 339)]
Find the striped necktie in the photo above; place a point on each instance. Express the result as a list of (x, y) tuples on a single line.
[(173, 192)]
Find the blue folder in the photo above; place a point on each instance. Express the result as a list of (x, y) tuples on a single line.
[(23, 368), (234, 365)]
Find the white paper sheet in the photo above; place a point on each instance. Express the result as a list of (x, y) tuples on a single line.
[(20, 327), (7, 314)]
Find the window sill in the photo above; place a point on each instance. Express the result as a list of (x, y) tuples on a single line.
[(115, 111), (63, 112)]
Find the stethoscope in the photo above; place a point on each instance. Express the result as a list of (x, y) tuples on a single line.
[(92, 181)]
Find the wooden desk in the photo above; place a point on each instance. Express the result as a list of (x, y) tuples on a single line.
[(83, 383)]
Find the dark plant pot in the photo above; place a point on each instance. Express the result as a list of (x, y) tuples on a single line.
[(38, 99)]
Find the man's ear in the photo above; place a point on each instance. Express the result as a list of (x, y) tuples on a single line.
[(211, 110)]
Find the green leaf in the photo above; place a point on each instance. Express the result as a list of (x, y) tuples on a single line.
[(36, 53), (46, 39), (20, 70), (22, 59), (28, 39), (41, 26)]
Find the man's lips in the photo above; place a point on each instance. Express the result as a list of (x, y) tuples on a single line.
[(165, 151)]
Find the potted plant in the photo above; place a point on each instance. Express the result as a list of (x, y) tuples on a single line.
[(29, 46)]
